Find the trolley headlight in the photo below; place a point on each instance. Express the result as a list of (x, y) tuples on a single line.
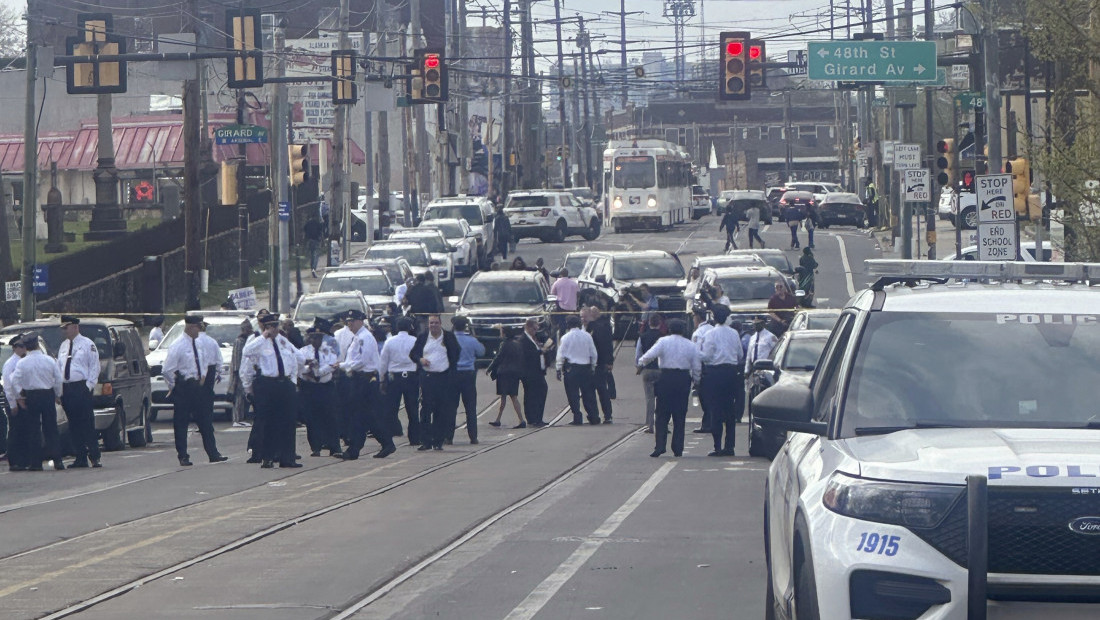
[(898, 503), (618, 204), (652, 202)]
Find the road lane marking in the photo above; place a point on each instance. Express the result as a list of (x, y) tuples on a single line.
[(546, 590), (847, 266)]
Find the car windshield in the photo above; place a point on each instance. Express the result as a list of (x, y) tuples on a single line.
[(635, 172), (575, 264), (367, 284), (739, 289), (450, 230), (647, 267), (325, 307), (501, 292), (966, 369), (745, 204), (223, 333), (470, 213), (777, 261), (433, 242), (802, 353), (520, 202), (414, 255)]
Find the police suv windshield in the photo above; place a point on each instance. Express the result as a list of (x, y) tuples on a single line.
[(433, 242), (326, 307), (412, 254), (450, 230), (920, 369), (757, 287)]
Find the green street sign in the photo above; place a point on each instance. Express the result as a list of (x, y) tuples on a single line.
[(872, 61), (880, 102), (240, 134), (970, 101)]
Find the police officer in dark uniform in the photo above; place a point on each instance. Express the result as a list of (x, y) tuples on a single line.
[(269, 372)]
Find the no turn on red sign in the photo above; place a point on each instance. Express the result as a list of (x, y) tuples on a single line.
[(997, 239)]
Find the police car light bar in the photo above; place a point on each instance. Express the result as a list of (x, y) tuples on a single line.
[(945, 270)]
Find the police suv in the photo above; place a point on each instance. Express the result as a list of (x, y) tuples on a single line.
[(944, 460)]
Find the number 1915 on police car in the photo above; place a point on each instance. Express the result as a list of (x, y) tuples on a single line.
[(870, 542)]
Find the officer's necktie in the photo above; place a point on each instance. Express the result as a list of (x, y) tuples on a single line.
[(278, 358), (756, 348), (317, 355), (198, 366), (69, 362)]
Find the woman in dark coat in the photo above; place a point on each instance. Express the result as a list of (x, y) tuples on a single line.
[(506, 369)]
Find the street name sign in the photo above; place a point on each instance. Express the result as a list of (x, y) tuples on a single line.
[(872, 61), (970, 101), (996, 217), (240, 134), (906, 156), (917, 185)]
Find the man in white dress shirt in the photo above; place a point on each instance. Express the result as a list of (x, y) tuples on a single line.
[(760, 346), (17, 439), (723, 383), (577, 361), (401, 381), (36, 384), (269, 372), (679, 361), (190, 371), (318, 393), (78, 361), (701, 327), (436, 352)]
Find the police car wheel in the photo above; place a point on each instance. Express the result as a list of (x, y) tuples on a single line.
[(805, 588), (114, 437), (769, 593)]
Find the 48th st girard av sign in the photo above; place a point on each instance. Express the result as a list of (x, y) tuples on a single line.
[(872, 61)]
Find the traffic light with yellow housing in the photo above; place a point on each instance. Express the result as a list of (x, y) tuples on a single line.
[(243, 35), (96, 38), (947, 162), (432, 67), (1021, 184), (228, 182), (298, 156), (733, 84), (344, 89)]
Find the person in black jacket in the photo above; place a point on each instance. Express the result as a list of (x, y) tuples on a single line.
[(537, 355), (507, 370), (436, 355), (502, 234), (600, 328), (731, 224)]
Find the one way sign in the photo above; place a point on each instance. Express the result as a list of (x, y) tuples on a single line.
[(917, 185)]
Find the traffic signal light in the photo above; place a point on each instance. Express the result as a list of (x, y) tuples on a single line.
[(243, 35), (560, 151), (1021, 183), (228, 181), (433, 76), (734, 76), (96, 38), (344, 89), (566, 151), (757, 57), (298, 156), (947, 162)]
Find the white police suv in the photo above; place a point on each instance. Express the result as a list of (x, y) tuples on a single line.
[(944, 460)]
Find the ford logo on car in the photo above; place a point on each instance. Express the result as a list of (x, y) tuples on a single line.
[(1086, 526)]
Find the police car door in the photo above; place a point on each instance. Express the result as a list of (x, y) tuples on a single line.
[(570, 211)]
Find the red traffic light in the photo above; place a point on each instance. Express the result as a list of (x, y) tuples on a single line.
[(754, 52), (734, 48), (431, 61)]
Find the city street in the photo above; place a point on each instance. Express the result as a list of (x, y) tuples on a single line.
[(557, 522)]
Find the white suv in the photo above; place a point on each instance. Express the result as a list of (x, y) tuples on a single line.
[(550, 216), (438, 249), (476, 210), (945, 453)]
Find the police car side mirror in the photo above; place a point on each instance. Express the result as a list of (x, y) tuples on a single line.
[(153, 344), (787, 408)]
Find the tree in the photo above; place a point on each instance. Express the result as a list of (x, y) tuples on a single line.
[(13, 41), (1064, 35)]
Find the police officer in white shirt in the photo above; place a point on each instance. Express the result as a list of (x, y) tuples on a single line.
[(401, 380), (576, 362), (269, 372), (679, 361), (18, 438), (79, 363), (723, 384), (190, 371), (318, 393), (699, 318), (362, 366), (344, 337), (36, 384)]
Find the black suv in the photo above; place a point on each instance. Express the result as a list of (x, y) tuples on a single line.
[(122, 396), (611, 279), (506, 298)]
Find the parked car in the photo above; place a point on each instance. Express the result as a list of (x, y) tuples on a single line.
[(841, 208), (574, 262), (551, 216), (122, 399), (794, 359), (802, 200), (476, 210), (223, 326), (742, 200), (397, 270), (817, 318), (702, 263), (946, 208), (459, 235), (327, 306), (609, 277), (749, 288), (585, 195), (372, 282), (819, 190), (508, 298), (700, 202), (775, 258), (440, 251), (774, 194), (412, 251)]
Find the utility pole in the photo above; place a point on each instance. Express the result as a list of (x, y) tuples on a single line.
[(422, 154), (991, 58), (506, 128), (566, 180), (582, 166), (192, 194), (368, 136), (339, 150), (384, 216), (30, 169), (464, 146), (929, 134), (622, 49), (280, 136), (597, 182), (584, 43), (242, 202)]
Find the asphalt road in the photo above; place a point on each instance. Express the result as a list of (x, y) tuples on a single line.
[(559, 522)]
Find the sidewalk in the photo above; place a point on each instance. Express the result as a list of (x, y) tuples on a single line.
[(945, 240)]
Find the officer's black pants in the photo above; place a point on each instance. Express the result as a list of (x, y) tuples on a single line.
[(723, 390), (320, 403), (580, 387), (673, 390), (604, 383), (534, 397), (191, 402), (366, 403), (76, 399), (405, 388), (276, 403), (41, 427)]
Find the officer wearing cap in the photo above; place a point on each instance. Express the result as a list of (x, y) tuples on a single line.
[(400, 380), (78, 361), (190, 371), (362, 365), (722, 386), (269, 372), (36, 384), (16, 438), (318, 393)]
